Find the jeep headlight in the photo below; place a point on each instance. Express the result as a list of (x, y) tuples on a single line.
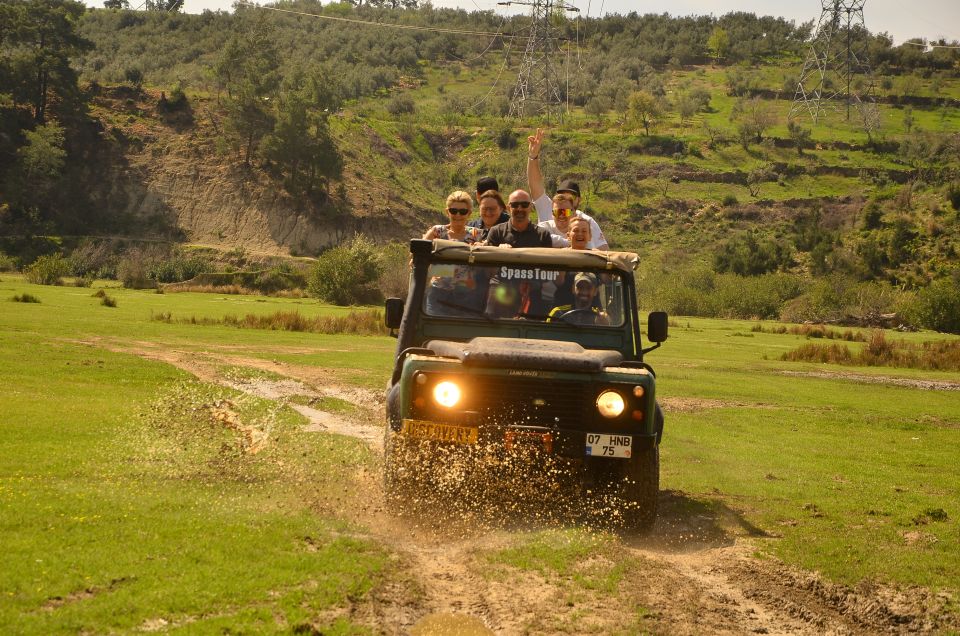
[(447, 394), (610, 404)]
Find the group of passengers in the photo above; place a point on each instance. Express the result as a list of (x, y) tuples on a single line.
[(564, 225), (571, 297)]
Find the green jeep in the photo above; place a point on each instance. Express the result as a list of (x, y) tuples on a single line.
[(535, 349)]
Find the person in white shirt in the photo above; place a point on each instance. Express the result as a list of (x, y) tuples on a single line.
[(543, 202), (562, 208)]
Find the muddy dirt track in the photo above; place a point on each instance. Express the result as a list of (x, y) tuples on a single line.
[(696, 572)]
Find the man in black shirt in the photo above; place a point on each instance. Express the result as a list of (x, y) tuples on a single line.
[(519, 231)]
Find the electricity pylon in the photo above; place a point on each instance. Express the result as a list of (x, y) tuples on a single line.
[(837, 71), (538, 87)]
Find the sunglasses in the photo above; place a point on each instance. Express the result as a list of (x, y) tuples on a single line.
[(463, 211), (523, 205), (562, 212)]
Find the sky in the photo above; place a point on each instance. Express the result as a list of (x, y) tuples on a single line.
[(932, 19)]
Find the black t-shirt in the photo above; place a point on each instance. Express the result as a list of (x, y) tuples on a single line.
[(533, 236)]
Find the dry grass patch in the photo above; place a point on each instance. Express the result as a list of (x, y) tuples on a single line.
[(367, 322), (937, 355), (813, 331)]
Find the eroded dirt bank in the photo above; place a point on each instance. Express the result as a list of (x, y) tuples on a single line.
[(694, 573)]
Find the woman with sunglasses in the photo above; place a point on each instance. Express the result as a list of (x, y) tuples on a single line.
[(459, 208)]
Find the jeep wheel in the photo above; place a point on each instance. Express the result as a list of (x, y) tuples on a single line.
[(633, 486), (641, 487)]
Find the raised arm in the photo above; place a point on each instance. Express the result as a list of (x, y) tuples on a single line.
[(534, 176)]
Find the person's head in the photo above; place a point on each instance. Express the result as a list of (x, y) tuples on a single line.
[(585, 288), (484, 184), (563, 209), (568, 186), (491, 207), (459, 207), (579, 233), (520, 203)]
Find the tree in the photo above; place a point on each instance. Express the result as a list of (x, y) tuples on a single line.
[(43, 154), (301, 141), (908, 119), (116, 4), (757, 176), (754, 117), (718, 43), (41, 39), (249, 68), (644, 108), (799, 135)]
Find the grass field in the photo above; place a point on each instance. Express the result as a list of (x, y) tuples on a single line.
[(123, 509)]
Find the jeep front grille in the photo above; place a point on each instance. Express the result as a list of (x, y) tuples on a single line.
[(512, 400)]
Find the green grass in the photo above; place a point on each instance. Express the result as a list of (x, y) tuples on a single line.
[(122, 505), (836, 468)]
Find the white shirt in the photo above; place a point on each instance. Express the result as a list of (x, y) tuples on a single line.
[(544, 206)]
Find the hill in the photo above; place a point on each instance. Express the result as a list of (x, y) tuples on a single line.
[(352, 131)]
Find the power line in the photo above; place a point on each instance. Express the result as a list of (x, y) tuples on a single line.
[(405, 27)]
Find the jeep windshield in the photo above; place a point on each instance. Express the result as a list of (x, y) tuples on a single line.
[(553, 294)]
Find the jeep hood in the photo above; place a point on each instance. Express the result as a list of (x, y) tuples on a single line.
[(525, 353)]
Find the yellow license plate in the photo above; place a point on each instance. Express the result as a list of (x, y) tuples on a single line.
[(440, 432)]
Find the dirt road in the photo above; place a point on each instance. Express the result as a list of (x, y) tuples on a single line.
[(696, 572)]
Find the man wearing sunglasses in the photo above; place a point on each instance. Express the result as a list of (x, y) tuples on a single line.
[(519, 231), (543, 202)]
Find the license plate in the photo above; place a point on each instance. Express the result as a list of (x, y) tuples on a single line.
[(419, 429), (600, 445)]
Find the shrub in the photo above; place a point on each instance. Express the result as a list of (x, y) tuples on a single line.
[(96, 259), (134, 269), (505, 137), (953, 195), (729, 200), (348, 274), (48, 270), (7, 263), (747, 256), (400, 105), (108, 301), (937, 306), (395, 279), (25, 298), (177, 267)]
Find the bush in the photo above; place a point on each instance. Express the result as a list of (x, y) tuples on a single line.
[(25, 298), (108, 301), (177, 267), (729, 200), (400, 105), (395, 279), (48, 270), (134, 269), (348, 274), (505, 137), (953, 195), (94, 259), (747, 256), (7, 263), (937, 306)]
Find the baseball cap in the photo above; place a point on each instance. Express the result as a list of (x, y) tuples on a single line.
[(587, 276), (487, 183), (568, 185)]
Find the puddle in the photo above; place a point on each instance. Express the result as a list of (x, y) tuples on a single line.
[(448, 624)]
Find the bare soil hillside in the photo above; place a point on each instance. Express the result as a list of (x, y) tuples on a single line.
[(174, 174)]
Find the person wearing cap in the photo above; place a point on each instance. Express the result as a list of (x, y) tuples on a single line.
[(543, 202), (583, 309), (492, 212), (519, 231)]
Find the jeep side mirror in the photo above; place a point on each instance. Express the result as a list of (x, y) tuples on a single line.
[(393, 313), (657, 326)]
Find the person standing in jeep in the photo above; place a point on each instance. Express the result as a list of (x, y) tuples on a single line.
[(519, 231), (543, 202)]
